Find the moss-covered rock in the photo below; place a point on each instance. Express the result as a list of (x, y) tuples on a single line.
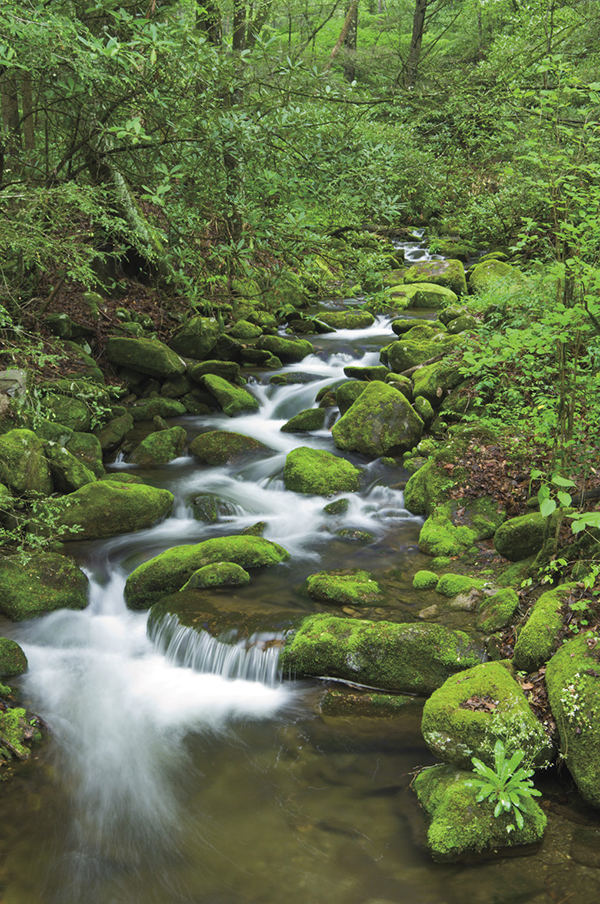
[(47, 581), (538, 638), (486, 275), (169, 571), (72, 412), (520, 537), (347, 394), (305, 421), (23, 465), (451, 584), (107, 508), (148, 356), (219, 447), (355, 588), (245, 331), (425, 580), (337, 507), (19, 731), (347, 320), (471, 711), (574, 696), (219, 574), (13, 660), (148, 409), (87, 449), (67, 472), (111, 435), (197, 338), (408, 658), (448, 273), (228, 370), (434, 381), (232, 399), (440, 536), (160, 447), (424, 409), (289, 351), (496, 611), (318, 472), (175, 387), (466, 323), (50, 431), (461, 827), (374, 372), (404, 384), (380, 422), (405, 353)]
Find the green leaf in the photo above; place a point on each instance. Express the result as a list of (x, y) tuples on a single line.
[(547, 507)]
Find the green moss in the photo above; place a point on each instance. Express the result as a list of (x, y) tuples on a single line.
[(87, 449), (160, 447), (538, 638), (104, 509), (337, 507), (433, 381), (305, 421), (487, 274), (366, 374), (455, 732), (220, 574), (197, 338), (358, 588), (228, 370), (47, 582), (520, 537), (447, 273), (12, 658), (23, 466), (245, 331), (147, 410), (68, 473), (148, 356), (380, 422), (424, 409), (347, 320), (414, 658), (460, 826), (169, 571), (356, 704), (574, 696), (440, 537), (287, 350), (453, 584), (220, 447), (425, 580), (232, 399), (13, 729), (319, 472), (347, 394), (407, 352), (496, 611)]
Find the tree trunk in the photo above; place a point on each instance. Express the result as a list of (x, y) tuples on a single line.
[(412, 64), (350, 47), (208, 21), (343, 34), (10, 113), (28, 125)]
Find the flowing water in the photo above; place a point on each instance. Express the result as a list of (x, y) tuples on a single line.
[(182, 767)]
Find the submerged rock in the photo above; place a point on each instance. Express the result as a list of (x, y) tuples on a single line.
[(47, 581), (107, 508), (220, 447), (380, 422), (318, 472), (169, 571), (413, 658)]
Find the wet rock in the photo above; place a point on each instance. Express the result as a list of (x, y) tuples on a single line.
[(337, 507), (287, 350), (520, 537), (411, 658), (220, 574), (13, 660), (380, 422), (148, 356), (232, 399), (429, 612), (23, 465), (220, 447), (67, 472), (448, 273), (354, 535), (112, 434), (585, 846), (160, 447), (319, 472), (46, 582), (357, 588), (293, 378), (305, 421), (470, 711), (170, 570), (210, 509), (197, 339), (107, 508), (347, 320)]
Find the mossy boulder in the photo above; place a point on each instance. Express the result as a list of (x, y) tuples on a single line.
[(405, 353), (87, 449), (424, 409), (451, 584), (147, 356), (347, 394), (160, 447), (73, 413), (489, 273), (449, 273), (169, 571), (425, 580), (220, 447), (175, 387), (106, 508), (228, 370), (46, 582), (289, 351), (245, 331), (67, 472), (373, 372), (318, 472), (520, 537), (357, 588), (23, 465), (397, 657), (441, 537), (305, 421), (471, 711), (404, 384), (232, 399), (496, 611), (434, 381), (197, 338), (461, 827), (111, 435), (380, 422), (13, 660), (466, 323), (19, 730), (347, 320), (148, 409), (572, 680), (50, 431), (538, 637), (219, 574)]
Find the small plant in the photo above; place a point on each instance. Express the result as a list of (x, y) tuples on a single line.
[(509, 786)]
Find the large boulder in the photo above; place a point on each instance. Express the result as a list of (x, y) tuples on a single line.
[(357, 588), (318, 472), (71, 412), (169, 571), (421, 295), (538, 637), (572, 679), (147, 356), (87, 449), (405, 353), (220, 447), (228, 370), (23, 465), (468, 713), (13, 660), (434, 381), (106, 508), (521, 537), (111, 435), (197, 338), (380, 422), (68, 473), (449, 273), (46, 582), (159, 448), (232, 399), (148, 409), (306, 421), (287, 350), (347, 394), (490, 273), (397, 657), (347, 320), (461, 827), (219, 574)]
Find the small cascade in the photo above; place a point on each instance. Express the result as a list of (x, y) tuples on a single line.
[(255, 658)]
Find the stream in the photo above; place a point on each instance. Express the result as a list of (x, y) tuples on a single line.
[(184, 769)]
